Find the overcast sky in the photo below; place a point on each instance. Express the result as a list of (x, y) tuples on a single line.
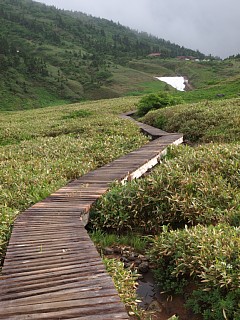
[(211, 26)]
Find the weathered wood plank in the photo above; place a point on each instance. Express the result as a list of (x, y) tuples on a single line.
[(71, 307), (86, 285), (110, 311)]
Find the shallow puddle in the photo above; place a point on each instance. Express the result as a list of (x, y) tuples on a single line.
[(163, 306)]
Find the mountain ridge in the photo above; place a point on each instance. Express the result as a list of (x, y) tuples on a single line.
[(50, 55)]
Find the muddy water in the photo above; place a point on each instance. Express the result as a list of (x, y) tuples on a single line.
[(163, 306)]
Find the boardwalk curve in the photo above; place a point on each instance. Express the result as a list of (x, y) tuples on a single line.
[(52, 270)]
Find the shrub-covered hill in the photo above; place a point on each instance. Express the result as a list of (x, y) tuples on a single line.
[(49, 55), (207, 121), (201, 74), (190, 207), (41, 150)]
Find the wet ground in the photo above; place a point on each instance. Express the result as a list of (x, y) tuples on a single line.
[(163, 305)]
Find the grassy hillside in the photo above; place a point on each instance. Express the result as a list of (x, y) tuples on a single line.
[(207, 79), (208, 121), (41, 150), (50, 56)]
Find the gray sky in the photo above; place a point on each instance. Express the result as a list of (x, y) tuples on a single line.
[(211, 26)]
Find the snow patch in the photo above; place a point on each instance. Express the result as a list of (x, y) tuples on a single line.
[(176, 82)]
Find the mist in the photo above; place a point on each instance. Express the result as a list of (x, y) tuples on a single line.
[(211, 27)]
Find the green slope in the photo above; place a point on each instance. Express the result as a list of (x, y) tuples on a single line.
[(49, 56)]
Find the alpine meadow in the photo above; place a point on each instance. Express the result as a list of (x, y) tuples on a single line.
[(66, 77)]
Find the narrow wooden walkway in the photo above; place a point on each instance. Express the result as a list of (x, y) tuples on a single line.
[(52, 269)]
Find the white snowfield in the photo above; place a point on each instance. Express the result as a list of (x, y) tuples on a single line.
[(176, 82)]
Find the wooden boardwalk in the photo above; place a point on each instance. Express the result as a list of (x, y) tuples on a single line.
[(52, 270)]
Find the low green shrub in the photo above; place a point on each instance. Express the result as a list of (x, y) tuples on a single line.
[(217, 121), (7, 217), (82, 113), (192, 186), (125, 282), (210, 257), (155, 101), (215, 305), (103, 239)]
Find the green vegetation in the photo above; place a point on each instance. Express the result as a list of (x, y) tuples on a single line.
[(103, 239), (217, 121), (226, 89), (50, 56), (156, 101), (198, 188), (208, 256), (191, 204), (208, 80), (78, 114), (41, 150), (125, 282), (195, 186)]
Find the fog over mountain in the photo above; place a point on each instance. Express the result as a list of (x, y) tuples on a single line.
[(209, 26)]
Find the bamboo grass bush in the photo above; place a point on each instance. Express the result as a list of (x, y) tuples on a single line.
[(209, 121), (208, 256), (41, 150), (191, 202), (195, 186)]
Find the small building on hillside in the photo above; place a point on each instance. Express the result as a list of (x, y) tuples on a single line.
[(187, 58)]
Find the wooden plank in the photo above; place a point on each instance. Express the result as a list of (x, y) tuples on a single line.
[(88, 312), (60, 308), (60, 296), (11, 285), (86, 285)]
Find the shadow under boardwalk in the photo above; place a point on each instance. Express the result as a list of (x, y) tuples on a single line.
[(52, 270)]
